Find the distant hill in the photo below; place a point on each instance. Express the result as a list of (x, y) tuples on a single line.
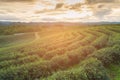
[(4, 23)]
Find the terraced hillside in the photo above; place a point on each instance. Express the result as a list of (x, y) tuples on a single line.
[(62, 53)]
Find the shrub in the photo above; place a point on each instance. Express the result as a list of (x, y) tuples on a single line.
[(94, 69), (90, 69), (87, 40), (108, 55), (26, 72), (87, 50), (114, 39), (79, 54), (39, 52), (59, 62), (49, 55), (20, 61), (100, 42)]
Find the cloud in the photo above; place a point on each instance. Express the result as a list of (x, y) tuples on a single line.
[(53, 10), (102, 13), (16, 0), (8, 17), (56, 13), (59, 5), (102, 8), (75, 6), (100, 1), (50, 11), (48, 19)]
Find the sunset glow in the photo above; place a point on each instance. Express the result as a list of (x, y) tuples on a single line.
[(59, 10)]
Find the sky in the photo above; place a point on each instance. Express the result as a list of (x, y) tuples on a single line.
[(60, 10)]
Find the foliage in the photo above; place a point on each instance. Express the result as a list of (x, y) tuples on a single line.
[(90, 69), (108, 55), (58, 53)]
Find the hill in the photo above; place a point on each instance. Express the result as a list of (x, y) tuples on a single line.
[(61, 53)]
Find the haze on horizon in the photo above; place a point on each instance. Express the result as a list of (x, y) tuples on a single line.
[(60, 10)]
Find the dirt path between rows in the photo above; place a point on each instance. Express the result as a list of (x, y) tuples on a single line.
[(37, 36)]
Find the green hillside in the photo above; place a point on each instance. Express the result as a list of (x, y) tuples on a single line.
[(61, 53)]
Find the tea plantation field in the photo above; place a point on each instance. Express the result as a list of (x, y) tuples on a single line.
[(62, 53)]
